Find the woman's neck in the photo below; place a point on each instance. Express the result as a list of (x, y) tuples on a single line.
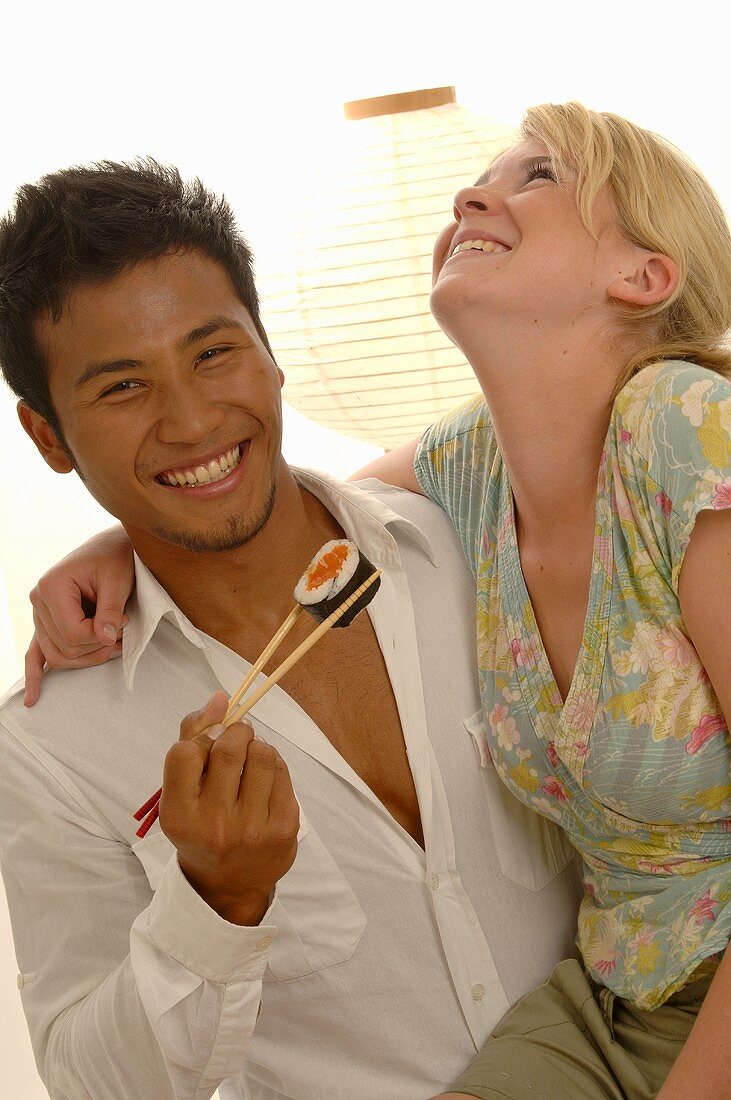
[(550, 398)]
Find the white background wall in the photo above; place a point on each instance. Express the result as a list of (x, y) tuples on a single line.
[(236, 95)]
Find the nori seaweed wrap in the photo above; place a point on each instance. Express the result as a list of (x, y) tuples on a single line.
[(335, 572)]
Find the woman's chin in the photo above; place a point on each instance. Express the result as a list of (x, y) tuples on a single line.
[(460, 311)]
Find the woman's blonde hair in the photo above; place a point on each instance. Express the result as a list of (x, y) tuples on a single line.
[(664, 205)]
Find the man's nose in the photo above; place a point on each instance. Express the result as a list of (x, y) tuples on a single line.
[(187, 416)]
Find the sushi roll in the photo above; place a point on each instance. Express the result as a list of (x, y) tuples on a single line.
[(335, 572)]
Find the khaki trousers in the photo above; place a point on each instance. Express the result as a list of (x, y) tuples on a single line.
[(571, 1039)]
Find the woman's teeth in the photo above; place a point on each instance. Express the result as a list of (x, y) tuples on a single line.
[(201, 475), (481, 246)]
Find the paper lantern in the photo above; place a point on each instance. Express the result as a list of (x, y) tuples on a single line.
[(346, 303)]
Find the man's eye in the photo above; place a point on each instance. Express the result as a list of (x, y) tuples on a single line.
[(125, 386), (209, 353)]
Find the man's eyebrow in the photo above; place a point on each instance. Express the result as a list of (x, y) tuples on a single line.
[(106, 366), (115, 366), (207, 329)]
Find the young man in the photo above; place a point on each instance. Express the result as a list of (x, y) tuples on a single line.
[(375, 961)]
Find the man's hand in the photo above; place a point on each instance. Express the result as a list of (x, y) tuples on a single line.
[(228, 807), (98, 579)]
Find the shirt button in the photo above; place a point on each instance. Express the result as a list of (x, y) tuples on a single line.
[(264, 943), (434, 882), (477, 991), (21, 981)]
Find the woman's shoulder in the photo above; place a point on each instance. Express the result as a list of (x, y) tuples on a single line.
[(674, 396), (670, 380), (462, 436), (471, 417), (672, 431)]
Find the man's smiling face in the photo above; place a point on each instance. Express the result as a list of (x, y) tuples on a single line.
[(169, 402)]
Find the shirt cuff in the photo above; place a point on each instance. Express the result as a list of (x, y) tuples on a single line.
[(184, 927)]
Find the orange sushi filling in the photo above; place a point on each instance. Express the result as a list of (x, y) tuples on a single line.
[(327, 567)]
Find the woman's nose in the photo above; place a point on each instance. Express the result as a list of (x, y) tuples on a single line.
[(470, 198)]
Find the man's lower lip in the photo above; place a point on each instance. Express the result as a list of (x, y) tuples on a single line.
[(209, 489)]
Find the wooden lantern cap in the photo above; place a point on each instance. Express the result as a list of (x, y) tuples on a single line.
[(396, 104)]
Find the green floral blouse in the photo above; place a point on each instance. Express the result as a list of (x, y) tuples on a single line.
[(636, 764)]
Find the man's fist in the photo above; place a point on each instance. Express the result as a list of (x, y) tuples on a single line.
[(228, 807)]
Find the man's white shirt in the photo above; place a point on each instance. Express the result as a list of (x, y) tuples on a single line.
[(380, 968)]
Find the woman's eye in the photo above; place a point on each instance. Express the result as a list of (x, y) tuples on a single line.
[(541, 170)]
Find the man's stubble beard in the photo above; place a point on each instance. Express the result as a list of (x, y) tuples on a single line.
[(238, 531)]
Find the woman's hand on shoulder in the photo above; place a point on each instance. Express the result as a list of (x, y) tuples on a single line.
[(78, 609)]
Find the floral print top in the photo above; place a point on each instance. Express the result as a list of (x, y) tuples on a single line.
[(636, 764)]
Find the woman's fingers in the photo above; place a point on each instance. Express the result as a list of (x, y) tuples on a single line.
[(57, 607), (111, 596), (43, 654), (35, 664)]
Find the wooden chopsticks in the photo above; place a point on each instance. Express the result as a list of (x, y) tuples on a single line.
[(148, 813)]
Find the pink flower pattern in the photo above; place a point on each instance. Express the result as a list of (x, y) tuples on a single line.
[(708, 727), (664, 503), (722, 496), (552, 785), (704, 908)]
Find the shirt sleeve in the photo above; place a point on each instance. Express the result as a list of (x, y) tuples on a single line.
[(677, 420), (453, 463), (128, 996)]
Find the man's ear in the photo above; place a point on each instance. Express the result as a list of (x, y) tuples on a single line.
[(44, 438), (652, 279)]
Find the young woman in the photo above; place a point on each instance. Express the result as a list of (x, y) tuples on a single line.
[(587, 277)]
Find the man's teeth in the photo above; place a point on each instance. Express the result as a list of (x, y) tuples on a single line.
[(481, 246), (200, 475)]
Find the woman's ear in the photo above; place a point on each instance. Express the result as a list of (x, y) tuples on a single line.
[(653, 279), (45, 439)]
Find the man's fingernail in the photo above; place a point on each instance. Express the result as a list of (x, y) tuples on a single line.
[(110, 632), (215, 731)]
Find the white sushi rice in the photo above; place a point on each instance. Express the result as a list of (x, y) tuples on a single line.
[(329, 588)]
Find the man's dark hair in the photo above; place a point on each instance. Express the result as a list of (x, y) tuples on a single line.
[(86, 225)]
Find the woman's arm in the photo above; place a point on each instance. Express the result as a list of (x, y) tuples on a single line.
[(703, 1068), (78, 605), (395, 468), (78, 608)]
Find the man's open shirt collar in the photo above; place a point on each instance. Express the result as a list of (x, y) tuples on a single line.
[(365, 518)]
